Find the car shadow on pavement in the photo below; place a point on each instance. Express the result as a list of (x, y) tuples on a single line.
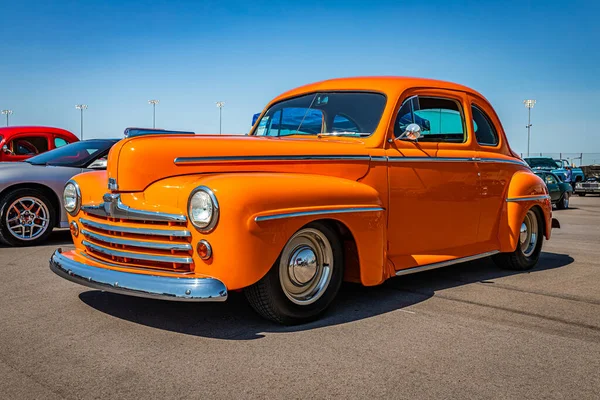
[(235, 319)]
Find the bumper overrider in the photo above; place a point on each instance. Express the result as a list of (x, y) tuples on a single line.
[(140, 285)]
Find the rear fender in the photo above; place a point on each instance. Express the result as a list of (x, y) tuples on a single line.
[(525, 190)]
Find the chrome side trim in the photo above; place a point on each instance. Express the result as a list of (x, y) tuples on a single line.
[(430, 159), (137, 256), (140, 285), (195, 160), (317, 212), (113, 207), (379, 158), (427, 267), (540, 197), (135, 231), (137, 243), (504, 161)]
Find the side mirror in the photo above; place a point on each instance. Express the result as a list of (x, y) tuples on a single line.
[(100, 163), (411, 133), (6, 149)]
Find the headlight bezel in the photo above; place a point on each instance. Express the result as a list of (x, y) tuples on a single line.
[(77, 198), (215, 209)]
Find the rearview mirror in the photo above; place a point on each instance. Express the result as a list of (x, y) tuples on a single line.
[(98, 164)]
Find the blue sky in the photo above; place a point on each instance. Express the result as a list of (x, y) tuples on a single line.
[(116, 55)]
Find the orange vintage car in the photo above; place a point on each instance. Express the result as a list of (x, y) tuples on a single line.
[(358, 179)]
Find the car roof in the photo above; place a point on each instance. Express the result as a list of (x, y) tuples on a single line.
[(383, 84), (8, 130)]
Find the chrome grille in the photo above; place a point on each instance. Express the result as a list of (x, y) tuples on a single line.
[(136, 243)]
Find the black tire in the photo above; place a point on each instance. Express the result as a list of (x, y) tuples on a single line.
[(268, 298), (5, 234), (517, 260), (581, 194), (563, 203)]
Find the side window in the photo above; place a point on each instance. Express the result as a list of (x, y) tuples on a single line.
[(484, 128), (59, 142), (441, 120), (341, 123), (29, 146), (291, 121)]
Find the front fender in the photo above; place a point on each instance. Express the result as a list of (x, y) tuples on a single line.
[(525, 190), (259, 212)]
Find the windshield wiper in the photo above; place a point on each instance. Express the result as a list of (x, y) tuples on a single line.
[(350, 134)]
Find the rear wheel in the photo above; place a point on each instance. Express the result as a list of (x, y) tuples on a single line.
[(563, 203), (304, 280), (528, 249), (27, 217)]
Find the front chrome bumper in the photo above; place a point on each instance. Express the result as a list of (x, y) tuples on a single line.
[(141, 285)]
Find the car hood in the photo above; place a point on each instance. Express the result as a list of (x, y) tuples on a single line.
[(137, 162), (22, 172)]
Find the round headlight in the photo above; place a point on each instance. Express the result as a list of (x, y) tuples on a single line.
[(203, 209), (72, 198)]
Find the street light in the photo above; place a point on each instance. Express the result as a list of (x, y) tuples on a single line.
[(7, 113), (220, 105), (81, 107), (529, 104), (154, 103)]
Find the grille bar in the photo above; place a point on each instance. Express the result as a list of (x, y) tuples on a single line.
[(136, 231), (137, 243), (137, 256)]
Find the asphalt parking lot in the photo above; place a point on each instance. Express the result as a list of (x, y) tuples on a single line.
[(467, 331)]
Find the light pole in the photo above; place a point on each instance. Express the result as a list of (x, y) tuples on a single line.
[(220, 105), (81, 107), (154, 103), (529, 104), (7, 113)]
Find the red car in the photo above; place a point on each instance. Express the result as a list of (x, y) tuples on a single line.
[(18, 143)]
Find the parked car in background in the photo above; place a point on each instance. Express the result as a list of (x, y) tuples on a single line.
[(31, 191), (18, 143), (357, 179), (560, 192), (590, 186), (557, 167)]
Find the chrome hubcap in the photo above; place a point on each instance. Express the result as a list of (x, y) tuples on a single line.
[(306, 266), (528, 236), (27, 218)]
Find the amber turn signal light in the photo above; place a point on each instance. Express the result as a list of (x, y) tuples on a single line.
[(74, 229), (204, 250)]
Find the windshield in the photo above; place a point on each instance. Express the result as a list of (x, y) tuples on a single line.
[(77, 154), (542, 163), (326, 113)]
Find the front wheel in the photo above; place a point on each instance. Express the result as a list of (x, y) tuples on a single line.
[(528, 249), (27, 217), (304, 280)]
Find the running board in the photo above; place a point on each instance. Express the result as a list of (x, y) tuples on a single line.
[(427, 267)]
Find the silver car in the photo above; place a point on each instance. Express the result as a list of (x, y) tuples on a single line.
[(31, 191)]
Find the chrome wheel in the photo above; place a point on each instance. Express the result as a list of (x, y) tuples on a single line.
[(306, 266), (529, 234), (27, 218)]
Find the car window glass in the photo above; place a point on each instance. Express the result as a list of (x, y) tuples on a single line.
[(440, 120), (341, 123), (485, 133), (294, 120), (28, 145), (59, 142)]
